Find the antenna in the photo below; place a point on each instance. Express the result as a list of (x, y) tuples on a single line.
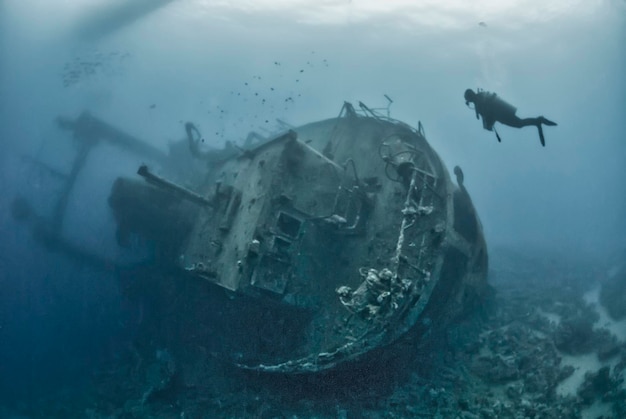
[(388, 105)]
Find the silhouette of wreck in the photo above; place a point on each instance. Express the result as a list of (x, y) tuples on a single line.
[(297, 253)]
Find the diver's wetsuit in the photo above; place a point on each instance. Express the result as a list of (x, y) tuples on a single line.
[(493, 109)]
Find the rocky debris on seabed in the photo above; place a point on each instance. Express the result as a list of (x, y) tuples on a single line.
[(602, 384), (507, 360)]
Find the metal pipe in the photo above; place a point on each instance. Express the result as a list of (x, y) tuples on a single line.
[(192, 196)]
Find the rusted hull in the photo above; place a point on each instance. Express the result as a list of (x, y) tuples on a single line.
[(342, 234)]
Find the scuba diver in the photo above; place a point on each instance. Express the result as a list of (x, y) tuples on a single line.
[(493, 109)]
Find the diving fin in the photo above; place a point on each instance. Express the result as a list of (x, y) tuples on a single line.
[(543, 140), (548, 122)]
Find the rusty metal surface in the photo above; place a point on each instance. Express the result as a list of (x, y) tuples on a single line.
[(317, 246)]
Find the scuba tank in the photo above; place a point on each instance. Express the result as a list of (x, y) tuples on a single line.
[(497, 108), (500, 108)]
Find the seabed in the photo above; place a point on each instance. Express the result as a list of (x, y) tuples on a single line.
[(540, 347)]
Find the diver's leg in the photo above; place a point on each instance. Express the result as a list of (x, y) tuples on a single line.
[(515, 121), (518, 122)]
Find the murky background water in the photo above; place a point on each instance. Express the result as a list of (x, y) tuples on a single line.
[(234, 67)]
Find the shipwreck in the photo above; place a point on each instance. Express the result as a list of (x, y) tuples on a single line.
[(293, 253)]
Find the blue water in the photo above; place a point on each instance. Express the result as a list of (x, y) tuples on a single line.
[(237, 67)]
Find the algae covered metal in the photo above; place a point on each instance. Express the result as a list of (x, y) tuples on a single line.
[(324, 242)]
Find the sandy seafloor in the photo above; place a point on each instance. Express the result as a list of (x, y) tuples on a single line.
[(541, 346)]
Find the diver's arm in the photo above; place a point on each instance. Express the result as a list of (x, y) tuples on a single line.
[(483, 109), (479, 105)]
